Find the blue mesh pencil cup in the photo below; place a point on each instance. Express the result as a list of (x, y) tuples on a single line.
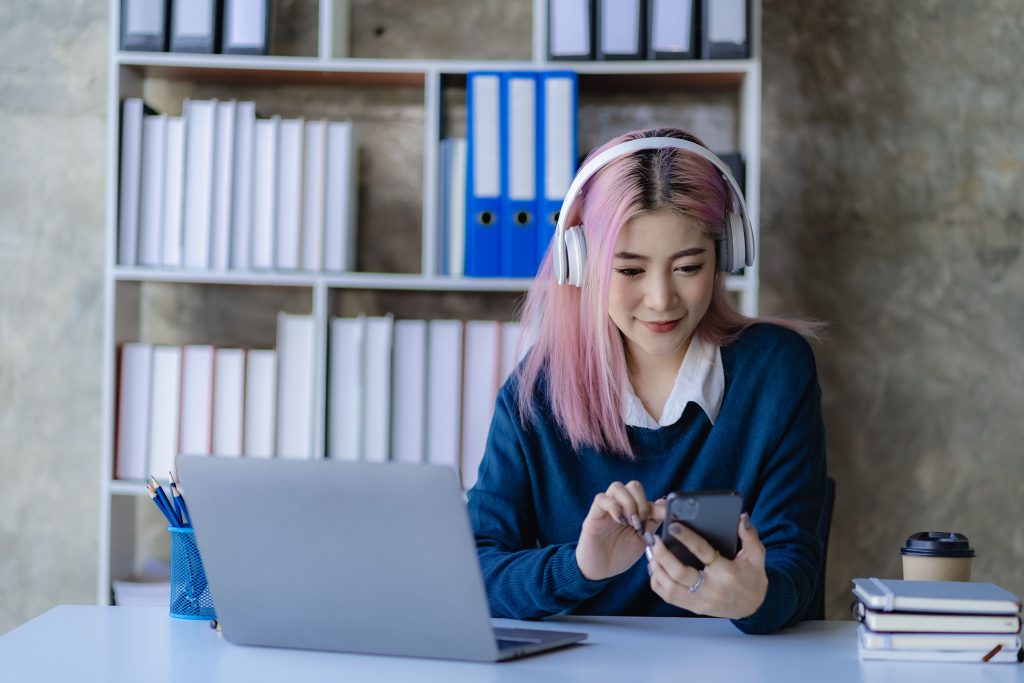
[(190, 594)]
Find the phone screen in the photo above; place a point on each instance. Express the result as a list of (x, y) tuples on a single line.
[(714, 515)]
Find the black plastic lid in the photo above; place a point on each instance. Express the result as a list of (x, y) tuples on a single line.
[(937, 544)]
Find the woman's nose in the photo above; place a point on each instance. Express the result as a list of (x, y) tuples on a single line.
[(660, 295)]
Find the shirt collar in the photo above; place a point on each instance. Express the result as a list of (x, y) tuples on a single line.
[(700, 379)]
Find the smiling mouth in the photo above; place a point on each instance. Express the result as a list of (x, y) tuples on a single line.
[(661, 325)]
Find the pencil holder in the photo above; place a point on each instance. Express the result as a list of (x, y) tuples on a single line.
[(190, 594)]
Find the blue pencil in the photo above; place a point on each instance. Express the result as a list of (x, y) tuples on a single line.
[(160, 506), (179, 503), (166, 503)]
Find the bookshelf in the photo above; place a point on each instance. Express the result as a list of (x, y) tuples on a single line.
[(400, 107)]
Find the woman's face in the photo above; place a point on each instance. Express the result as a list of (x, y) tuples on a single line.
[(663, 273)]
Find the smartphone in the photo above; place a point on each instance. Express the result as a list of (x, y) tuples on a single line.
[(714, 515)]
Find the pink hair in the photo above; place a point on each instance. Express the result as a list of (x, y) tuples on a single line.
[(577, 346)]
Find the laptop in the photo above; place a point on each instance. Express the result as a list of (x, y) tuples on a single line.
[(374, 558)]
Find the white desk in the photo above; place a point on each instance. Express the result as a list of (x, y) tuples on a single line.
[(72, 643)]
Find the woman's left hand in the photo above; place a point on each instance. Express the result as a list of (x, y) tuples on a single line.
[(729, 588)]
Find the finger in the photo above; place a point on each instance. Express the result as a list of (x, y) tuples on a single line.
[(659, 509), (605, 505), (695, 543), (671, 566), (643, 508), (752, 546), (627, 502)]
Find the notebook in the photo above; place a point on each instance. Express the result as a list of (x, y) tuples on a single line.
[(980, 642), (950, 597), (1002, 656), (374, 558), (932, 622)]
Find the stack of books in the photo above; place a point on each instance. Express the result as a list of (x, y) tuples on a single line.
[(937, 621)]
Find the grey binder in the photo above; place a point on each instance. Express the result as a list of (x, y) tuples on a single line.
[(195, 26), (144, 25), (725, 29)]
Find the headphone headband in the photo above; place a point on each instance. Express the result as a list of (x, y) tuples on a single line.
[(739, 207)]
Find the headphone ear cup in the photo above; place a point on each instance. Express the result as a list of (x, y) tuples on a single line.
[(737, 243), (575, 256), (724, 250)]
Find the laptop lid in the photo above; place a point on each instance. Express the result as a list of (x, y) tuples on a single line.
[(325, 555)]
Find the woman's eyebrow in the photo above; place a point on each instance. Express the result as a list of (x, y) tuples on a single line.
[(692, 251)]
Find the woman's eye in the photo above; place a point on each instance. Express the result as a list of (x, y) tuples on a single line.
[(629, 272), (690, 270)]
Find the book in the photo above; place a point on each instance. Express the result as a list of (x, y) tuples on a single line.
[(933, 622), (133, 411), (200, 132), (241, 193), (341, 200), (1002, 656), (288, 238), (409, 391), (345, 403), (295, 353), (957, 597), (981, 642), (174, 188), (260, 402), (444, 392), (228, 401), (480, 369), (377, 388), (314, 160), (151, 199), (164, 409), (197, 400), (223, 182)]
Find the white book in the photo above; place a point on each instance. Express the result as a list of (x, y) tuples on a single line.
[(130, 170), (981, 642), (260, 402), (295, 355), (228, 401), (959, 597), (174, 176), (479, 389), (223, 182), (264, 192), (164, 410), (409, 391), (457, 208), (151, 200), (444, 391), (133, 411), (289, 194), (314, 173), (196, 399), (345, 393), (512, 349), (379, 337), (241, 195), (200, 129), (1003, 656), (340, 214)]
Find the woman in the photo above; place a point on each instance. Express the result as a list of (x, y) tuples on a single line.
[(644, 380)]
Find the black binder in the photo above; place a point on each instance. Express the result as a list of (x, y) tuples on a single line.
[(144, 25), (246, 27), (673, 29), (570, 30), (620, 30), (725, 29), (195, 26)]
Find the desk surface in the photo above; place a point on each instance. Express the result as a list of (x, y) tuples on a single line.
[(81, 643)]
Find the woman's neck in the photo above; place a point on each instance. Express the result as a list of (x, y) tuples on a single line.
[(653, 377)]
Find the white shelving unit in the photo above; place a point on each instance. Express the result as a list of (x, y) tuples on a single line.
[(127, 72)]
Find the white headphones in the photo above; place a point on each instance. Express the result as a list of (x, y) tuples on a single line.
[(735, 249)]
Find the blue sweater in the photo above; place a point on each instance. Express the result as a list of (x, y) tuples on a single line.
[(768, 443)]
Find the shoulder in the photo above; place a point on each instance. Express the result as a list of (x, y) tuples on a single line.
[(771, 346)]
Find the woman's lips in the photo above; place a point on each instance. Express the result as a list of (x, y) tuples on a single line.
[(661, 326)]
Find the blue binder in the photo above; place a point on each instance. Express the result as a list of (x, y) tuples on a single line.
[(519, 174), (483, 177), (556, 142)]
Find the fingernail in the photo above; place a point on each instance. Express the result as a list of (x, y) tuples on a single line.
[(649, 539), (622, 520), (675, 528), (746, 522), (650, 572), (650, 555), (636, 523)]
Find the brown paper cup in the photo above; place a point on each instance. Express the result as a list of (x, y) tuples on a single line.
[(918, 568)]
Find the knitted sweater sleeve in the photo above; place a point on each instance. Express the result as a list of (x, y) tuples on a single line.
[(791, 495), (522, 580)]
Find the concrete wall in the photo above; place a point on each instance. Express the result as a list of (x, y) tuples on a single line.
[(892, 148)]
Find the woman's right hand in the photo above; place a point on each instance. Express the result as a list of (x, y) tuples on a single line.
[(609, 543)]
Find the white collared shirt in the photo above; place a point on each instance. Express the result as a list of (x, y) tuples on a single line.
[(700, 379)]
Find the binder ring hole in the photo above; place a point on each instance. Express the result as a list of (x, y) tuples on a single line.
[(554, 218), (522, 217), (485, 218)]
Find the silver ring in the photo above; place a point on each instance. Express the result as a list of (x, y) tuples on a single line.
[(700, 582)]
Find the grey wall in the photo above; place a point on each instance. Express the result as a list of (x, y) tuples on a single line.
[(892, 209)]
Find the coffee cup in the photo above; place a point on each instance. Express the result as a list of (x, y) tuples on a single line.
[(937, 556)]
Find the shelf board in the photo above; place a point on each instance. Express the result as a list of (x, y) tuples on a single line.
[(120, 487), (412, 72), (391, 281)]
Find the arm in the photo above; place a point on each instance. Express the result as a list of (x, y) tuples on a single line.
[(522, 580), (791, 498)]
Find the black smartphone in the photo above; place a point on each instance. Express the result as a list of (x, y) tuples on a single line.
[(714, 515)]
